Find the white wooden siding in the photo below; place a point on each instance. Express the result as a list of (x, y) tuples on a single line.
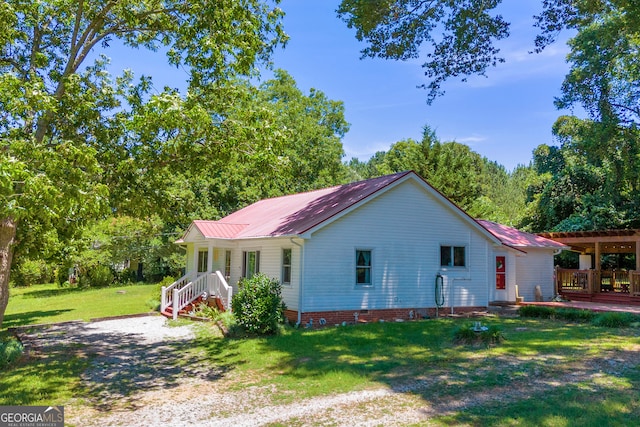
[(404, 228), (536, 269), (270, 264), (190, 261)]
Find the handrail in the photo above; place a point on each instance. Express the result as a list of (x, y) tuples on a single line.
[(166, 299), (185, 295), (221, 289), (183, 291)]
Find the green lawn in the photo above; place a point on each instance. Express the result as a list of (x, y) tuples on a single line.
[(50, 303), (532, 370)]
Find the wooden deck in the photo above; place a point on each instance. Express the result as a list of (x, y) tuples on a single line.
[(601, 286)]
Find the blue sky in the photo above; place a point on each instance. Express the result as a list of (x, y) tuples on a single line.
[(503, 116)]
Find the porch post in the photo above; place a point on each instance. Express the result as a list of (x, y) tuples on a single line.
[(597, 284), (209, 258), (196, 255), (637, 243)]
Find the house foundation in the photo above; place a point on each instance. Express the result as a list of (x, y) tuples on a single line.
[(333, 318)]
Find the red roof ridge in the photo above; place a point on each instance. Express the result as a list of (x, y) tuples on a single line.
[(515, 238)]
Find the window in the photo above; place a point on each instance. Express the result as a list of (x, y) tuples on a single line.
[(363, 267), (286, 266), (227, 265), (250, 263), (203, 256), (452, 256)]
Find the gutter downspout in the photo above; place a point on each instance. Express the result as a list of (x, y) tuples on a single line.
[(300, 281)]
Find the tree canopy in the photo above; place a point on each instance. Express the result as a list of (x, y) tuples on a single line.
[(482, 188), (460, 35), (592, 180), (58, 110)]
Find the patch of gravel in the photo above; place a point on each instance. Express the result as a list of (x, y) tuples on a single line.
[(148, 329)]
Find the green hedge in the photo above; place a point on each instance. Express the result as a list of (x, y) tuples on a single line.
[(607, 319)]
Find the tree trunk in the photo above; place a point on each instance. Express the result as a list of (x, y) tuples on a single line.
[(7, 237)]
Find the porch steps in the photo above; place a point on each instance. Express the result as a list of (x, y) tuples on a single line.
[(212, 301)]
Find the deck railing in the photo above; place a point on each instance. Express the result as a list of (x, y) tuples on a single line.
[(219, 287), (595, 281), (183, 291), (634, 281), (166, 299), (185, 295)]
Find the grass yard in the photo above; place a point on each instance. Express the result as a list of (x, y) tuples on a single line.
[(50, 303), (545, 373)]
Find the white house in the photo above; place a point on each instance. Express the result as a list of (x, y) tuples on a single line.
[(384, 248)]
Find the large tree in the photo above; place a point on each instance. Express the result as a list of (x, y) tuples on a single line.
[(457, 37), (594, 181), (265, 140), (58, 108)]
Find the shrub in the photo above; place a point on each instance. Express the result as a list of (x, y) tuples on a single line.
[(31, 272), (10, 351), (574, 315), (467, 334), (204, 310), (536, 311), (258, 306), (614, 319), (99, 276)]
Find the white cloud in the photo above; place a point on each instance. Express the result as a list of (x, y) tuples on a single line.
[(470, 140)]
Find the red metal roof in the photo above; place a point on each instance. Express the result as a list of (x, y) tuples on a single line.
[(519, 239), (217, 229), (294, 214)]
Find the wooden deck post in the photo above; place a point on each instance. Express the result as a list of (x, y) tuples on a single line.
[(596, 286)]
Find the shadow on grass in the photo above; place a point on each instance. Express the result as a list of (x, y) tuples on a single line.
[(105, 368), (30, 317), (420, 358), (58, 291), (604, 403)]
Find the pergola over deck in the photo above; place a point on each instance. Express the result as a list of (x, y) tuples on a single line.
[(591, 279)]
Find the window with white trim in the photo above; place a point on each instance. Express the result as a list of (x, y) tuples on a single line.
[(453, 256), (250, 263), (227, 265), (286, 266), (203, 260), (363, 267)]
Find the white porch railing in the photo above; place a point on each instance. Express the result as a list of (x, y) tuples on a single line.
[(219, 287), (183, 291), (166, 299), (183, 296)]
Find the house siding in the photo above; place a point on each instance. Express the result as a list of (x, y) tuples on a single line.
[(271, 265), (536, 269), (404, 229)]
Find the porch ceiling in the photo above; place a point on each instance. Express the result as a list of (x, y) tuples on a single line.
[(610, 241)]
